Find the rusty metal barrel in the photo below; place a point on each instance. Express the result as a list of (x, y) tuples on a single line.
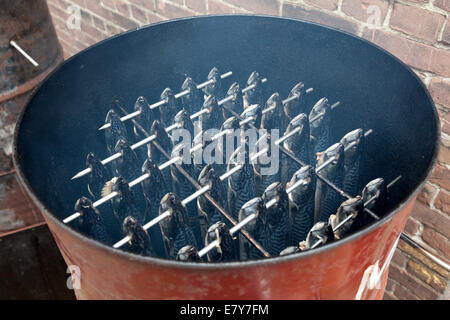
[(29, 25), (377, 91)]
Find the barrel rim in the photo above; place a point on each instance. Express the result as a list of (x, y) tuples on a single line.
[(236, 264)]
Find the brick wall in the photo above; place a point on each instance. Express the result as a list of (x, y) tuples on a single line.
[(416, 31)]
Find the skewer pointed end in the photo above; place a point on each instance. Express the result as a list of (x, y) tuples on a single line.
[(78, 175)]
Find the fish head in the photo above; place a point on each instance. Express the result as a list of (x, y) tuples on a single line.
[(255, 93), (155, 176), (88, 213), (336, 151), (236, 92), (173, 204), (211, 118), (130, 224), (188, 254), (276, 192), (97, 168), (169, 97), (146, 115), (321, 231), (352, 143), (217, 231), (290, 250), (273, 112), (295, 106), (124, 148), (183, 119), (374, 192), (300, 121), (161, 134), (207, 175), (216, 85), (121, 186), (306, 179), (254, 206), (350, 213), (193, 94), (297, 90), (232, 123), (319, 115), (253, 111), (353, 206), (117, 128)]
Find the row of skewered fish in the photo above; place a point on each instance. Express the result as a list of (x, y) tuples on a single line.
[(284, 223)]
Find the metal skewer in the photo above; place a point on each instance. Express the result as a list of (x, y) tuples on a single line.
[(287, 100), (333, 106), (114, 194), (326, 163), (204, 190), (168, 129), (22, 52), (244, 222), (200, 191), (160, 103), (351, 215)]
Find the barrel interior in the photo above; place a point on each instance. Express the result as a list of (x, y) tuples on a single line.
[(376, 91)]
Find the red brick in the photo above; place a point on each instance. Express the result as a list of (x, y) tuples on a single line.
[(197, 5), (112, 30), (444, 150), (446, 126), (139, 15), (216, 7), (99, 23), (437, 241), (122, 21), (153, 18), (146, 4), (170, 11), (414, 288), (293, 11), (443, 4), (123, 7), (441, 175), (390, 285), (359, 9), (442, 202), (427, 275), (58, 12), (110, 4), (446, 33), (433, 219), (412, 226), (260, 6), (324, 4), (91, 31), (98, 9), (416, 54), (400, 258), (402, 293), (440, 90), (426, 194), (417, 256), (416, 21)]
